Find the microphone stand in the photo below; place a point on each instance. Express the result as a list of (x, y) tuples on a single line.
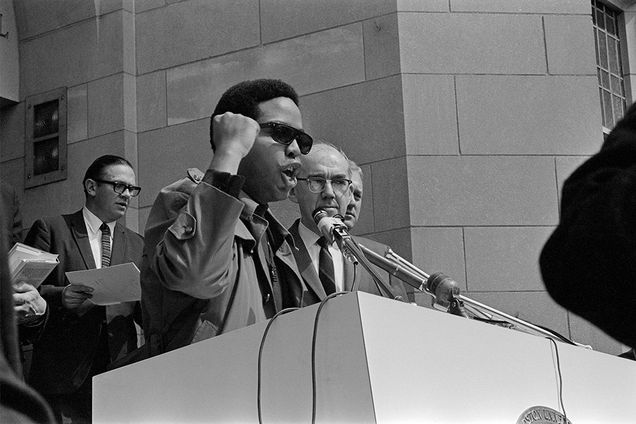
[(352, 251), (415, 277)]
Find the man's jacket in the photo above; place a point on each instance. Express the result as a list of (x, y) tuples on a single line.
[(206, 269), (64, 353), (360, 277)]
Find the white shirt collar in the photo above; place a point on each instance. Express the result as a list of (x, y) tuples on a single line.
[(93, 223)]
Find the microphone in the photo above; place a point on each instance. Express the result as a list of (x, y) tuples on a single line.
[(444, 288), (332, 228), (441, 286)]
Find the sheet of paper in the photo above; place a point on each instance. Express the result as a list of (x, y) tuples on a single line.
[(113, 284)]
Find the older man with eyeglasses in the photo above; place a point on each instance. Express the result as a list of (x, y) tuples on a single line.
[(325, 184), (80, 339)]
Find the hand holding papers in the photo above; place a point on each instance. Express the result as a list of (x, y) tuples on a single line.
[(113, 284), (30, 265), (27, 303)]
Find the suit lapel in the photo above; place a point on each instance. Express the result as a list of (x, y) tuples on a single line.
[(80, 236), (303, 260)]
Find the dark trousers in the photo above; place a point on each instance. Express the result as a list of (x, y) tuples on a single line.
[(77, 407), (73, 408)]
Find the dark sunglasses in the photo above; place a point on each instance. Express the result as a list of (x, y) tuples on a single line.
[(120, 188), (285, 134)]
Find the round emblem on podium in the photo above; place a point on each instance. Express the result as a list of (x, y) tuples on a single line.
[(542, 415)]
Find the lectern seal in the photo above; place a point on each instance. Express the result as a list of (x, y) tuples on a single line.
[(542, 415)]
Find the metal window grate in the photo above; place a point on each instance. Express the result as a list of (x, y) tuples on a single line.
[(608, 63), (45, 138)]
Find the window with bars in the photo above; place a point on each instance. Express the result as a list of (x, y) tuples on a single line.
[(45, 137), (608, 63)]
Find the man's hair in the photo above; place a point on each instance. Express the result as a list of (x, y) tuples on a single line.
[(96, 170), (244, 98)]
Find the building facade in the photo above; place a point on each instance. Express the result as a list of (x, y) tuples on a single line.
[(465, 115)]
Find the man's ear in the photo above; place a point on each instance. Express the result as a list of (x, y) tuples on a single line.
[(292, 195), (90, 186)]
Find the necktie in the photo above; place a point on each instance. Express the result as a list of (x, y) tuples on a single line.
[(119, 333), (105, 245), (325, 267)]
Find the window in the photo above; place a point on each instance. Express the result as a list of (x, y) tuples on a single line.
[(609, 66), (45, 149)]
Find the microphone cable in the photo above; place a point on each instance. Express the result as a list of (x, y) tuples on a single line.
[(260, 357), (313, 352), (354, 284), (560, 380), (556, 334)]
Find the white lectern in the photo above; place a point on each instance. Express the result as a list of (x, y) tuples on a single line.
[(376, 360)]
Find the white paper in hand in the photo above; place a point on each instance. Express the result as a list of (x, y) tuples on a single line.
[(113, 284)]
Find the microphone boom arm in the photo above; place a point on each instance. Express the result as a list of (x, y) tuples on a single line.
[(395, 270), (415, 277), (350, 248)]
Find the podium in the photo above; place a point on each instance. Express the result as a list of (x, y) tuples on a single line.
[(375, 360)]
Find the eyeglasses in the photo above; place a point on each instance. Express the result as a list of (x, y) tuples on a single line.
[(285, 134), (317, 184), (120, 188)]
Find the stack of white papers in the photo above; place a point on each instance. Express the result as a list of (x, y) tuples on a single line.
[(30, 265)]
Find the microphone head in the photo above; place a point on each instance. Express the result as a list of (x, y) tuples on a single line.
[(319, 214), (327, 224), (443, 288)]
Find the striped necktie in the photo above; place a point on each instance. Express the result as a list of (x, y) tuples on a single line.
[(120, 333), (105, 245), (325, 267)]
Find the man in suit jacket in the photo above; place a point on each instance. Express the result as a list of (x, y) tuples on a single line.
[(324, 183), (81, 339)]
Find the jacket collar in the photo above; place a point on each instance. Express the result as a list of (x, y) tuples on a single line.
[(255, 220), (80, 235), (305, 266)]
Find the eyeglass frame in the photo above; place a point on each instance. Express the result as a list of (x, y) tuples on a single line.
[(324, 180), (298, 135), (131, 188)]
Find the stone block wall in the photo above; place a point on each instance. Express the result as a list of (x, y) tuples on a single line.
[(466, 116)]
